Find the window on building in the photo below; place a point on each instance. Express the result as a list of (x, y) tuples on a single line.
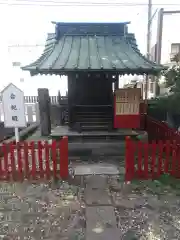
[(16, 64), (144, 86), (151, 87), (175, 48)]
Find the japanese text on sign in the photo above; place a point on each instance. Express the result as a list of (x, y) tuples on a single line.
[(14, 108), (14, 118), (12, 96)]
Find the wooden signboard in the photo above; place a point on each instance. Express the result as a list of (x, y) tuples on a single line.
[(127, 108)]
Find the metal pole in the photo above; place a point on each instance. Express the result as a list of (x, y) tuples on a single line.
[(158, 42), (17, 134), (148, 47), (160, 31), (149, 28), (159, 36)]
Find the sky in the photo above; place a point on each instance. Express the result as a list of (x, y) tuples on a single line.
[(29, 25)]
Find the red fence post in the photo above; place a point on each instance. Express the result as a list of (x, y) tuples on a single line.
[(19, 160), (40, 159), (174, 158), (12, 160), (129, 160), (146, 160), (33, 172), (5, 153), (1, 158), (178, 161), (140, 158), (167, 159), (54, 158), (26, 160), (153, 158), (47, 158), (160, 168), (64, 158)]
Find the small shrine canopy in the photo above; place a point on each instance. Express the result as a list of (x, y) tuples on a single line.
[(92, 47)]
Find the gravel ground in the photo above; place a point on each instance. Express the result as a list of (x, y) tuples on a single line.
[(146, 210), (41, 211)]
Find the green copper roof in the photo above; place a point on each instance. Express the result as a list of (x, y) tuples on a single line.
[(74, 52)]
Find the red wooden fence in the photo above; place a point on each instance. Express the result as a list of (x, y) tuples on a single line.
[(26, 160), (160, 130), (150, 160), (160, 155)]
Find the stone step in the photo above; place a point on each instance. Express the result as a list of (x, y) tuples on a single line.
[(97, 169), (89, 126), (100, 217), (93, 120), (94, 124), (96, 181), (93, 113), (101, 223), (96, 192), (97, 197)]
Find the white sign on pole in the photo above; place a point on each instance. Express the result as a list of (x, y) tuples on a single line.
[(14, 108)]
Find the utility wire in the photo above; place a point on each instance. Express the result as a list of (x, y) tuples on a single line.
[(24, 45), (53, 3), (42, 45), (78, 2)]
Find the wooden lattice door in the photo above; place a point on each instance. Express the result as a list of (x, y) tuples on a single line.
[(127, 108)]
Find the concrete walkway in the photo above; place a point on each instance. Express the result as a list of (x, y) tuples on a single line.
[(100, 216)]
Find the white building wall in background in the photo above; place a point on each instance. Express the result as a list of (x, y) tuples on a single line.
[(22, 79), (170, 35)]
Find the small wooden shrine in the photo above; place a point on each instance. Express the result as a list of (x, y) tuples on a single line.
[(93, 56)]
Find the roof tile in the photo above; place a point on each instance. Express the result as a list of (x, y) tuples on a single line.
[(72, 52)]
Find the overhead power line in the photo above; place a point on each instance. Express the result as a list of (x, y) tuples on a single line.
[(26, 45), (53, 3)]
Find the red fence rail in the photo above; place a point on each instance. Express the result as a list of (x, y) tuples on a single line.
[(160, 130), (26, 160)]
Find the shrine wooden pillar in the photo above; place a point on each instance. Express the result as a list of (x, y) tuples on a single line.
[(71, 92), (146, 100), (110, 78), (146, 93), (116, 83)]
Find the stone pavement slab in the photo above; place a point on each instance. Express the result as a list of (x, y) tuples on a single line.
[(101, 223), (98, 169), (96, 182), (97, 197)]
